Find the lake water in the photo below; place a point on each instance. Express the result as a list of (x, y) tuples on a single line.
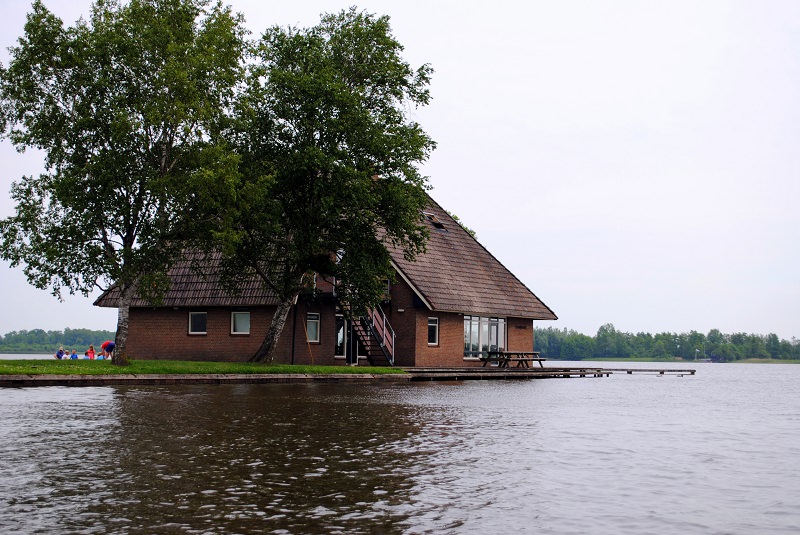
[(714, 453)]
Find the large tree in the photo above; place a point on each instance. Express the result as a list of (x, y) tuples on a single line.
[(126, 107), (329, 153)]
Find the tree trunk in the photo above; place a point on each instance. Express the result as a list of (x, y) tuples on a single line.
[(266, 353), (120, 357)]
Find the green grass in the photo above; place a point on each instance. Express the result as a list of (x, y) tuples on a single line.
[(147, 367)]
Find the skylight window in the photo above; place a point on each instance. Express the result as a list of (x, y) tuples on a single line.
[(433, 220)]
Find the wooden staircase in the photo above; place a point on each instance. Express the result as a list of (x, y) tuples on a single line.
[(376, 337)]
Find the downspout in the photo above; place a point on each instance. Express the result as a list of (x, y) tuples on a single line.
[(294, 329)]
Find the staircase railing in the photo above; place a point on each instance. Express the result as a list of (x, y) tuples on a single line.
[(376, 336), (383, 332)]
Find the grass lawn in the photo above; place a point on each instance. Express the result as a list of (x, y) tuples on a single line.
[(145, 367)]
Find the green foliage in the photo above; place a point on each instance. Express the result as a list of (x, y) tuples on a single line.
[(155, 140), (47, 342), (329, 155), (610, 343), (126, 106)]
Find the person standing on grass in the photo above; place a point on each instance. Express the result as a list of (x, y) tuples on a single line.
[(108, 348)]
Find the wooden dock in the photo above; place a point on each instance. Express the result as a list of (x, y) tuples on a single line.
[(479, 374)]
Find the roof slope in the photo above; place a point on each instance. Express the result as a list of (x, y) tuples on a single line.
[(457, 274), (195, 283)]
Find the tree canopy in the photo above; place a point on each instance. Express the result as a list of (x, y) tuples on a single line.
[(158, 138), (127, 107), (329, 154)]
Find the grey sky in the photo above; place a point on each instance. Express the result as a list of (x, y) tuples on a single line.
[(631, 162)]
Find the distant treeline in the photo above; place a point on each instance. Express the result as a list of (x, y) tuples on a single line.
[(553, 343), (39, 341), (610, 343)]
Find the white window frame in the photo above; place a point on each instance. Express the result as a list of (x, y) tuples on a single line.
[(433, 322), (484, 330), (197, 313), (311, 319), (235, 313)]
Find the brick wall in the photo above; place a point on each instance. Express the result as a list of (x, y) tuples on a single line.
[(520, 334), (401, 315), (306, 352), (411, 331), (449, 352), (162, 334)]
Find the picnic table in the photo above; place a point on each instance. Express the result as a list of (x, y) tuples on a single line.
[(505, 358)]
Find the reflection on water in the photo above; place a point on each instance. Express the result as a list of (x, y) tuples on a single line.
[(287, 457), (602, 455)]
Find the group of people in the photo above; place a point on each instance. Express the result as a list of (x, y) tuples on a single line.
[(106, 350)]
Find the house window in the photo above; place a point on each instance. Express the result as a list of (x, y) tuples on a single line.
[(483, 334), (433, 331), (240, 323), (198, 322), (312, 327)]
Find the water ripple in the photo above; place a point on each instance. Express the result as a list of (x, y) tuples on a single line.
[(603, 456)]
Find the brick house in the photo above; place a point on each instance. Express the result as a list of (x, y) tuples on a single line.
[(443, 309)]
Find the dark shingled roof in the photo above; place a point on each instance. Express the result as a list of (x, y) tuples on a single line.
[(196, 283), (457, 274)]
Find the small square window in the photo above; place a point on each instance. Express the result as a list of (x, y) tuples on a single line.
[(433, 331), (240, 323), (312, 327), (198, 322)]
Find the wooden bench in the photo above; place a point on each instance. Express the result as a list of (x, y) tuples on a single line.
[(505, 358)]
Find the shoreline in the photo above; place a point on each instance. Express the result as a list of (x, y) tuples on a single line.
[(74, 380), (410, 375)]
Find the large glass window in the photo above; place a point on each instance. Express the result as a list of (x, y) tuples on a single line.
[(433, 331), (471, 335), (198, 322), (312, 327), (240, 323), (483, 334), (497, 334)]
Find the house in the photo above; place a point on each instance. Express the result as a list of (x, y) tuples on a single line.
[(445, 308)]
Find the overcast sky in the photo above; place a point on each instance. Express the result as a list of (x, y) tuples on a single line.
[(631, 162)]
